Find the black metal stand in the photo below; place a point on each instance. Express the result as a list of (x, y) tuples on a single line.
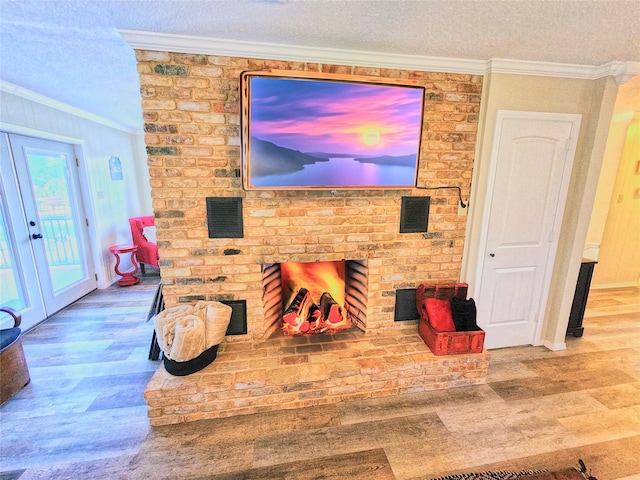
[(579, 304), (156, 307)]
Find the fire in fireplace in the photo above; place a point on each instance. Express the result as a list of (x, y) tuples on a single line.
[(315, 297), (314, 293)]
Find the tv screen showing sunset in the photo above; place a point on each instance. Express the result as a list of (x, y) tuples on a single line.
[(325, 133)]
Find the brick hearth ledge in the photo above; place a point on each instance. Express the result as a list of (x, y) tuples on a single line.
[(306, 371)]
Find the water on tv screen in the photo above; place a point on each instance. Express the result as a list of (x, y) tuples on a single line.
[(314, 132)]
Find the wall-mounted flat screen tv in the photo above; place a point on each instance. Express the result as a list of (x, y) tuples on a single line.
[(303, 131)]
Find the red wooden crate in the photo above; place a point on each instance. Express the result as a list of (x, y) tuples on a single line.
[(446, 343)]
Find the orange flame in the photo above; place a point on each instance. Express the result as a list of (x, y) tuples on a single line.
[(317, 278)]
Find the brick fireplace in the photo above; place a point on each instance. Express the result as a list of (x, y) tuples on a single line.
[(192, 132)]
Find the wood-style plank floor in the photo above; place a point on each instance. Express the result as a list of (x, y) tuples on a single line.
[(83, 416)]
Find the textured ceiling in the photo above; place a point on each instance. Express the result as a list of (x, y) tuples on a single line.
[(70, 51)]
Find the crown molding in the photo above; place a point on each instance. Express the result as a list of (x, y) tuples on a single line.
[(540, 69), (63, 107), (296, 53), (163, 42), (621, 71)]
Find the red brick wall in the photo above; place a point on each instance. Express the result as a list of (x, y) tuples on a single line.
[(192, 123)]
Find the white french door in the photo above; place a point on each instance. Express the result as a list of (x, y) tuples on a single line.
[(45, 258)]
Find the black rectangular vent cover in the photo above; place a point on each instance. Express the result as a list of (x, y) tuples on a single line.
[(414, 215), (406, 305), (238, 323), (224, 217)]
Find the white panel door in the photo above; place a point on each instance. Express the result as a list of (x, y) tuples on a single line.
[(531, 165)]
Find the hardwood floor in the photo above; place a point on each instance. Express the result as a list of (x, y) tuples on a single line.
[(83, 415)]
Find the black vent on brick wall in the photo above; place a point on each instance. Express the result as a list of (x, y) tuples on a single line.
[(406, 305), (238, 323), (414, 214), (224, 217)]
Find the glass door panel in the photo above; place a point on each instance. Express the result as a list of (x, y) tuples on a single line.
[(11, 290), (52, 195), (19, 286)]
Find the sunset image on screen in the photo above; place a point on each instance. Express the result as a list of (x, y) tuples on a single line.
[(331, 133)]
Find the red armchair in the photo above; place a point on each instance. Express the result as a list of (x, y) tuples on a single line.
[(147, 251)]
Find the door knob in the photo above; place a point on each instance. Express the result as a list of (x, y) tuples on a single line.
[(492, 254), (36, 236)]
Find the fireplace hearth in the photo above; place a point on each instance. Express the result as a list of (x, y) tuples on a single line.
[(307, 371)]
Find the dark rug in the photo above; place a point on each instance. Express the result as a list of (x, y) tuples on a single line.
[(567, 474), (491, 475)]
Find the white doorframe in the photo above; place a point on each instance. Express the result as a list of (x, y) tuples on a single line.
[(575, 119), (86, 189), (83, 190)]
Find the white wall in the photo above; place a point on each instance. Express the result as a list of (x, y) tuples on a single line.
[(109, 203)]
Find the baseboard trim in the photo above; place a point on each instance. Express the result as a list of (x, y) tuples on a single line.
[(554, 347)]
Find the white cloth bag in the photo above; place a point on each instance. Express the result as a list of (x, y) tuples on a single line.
[(183, 332)]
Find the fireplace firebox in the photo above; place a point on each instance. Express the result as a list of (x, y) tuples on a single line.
[(315, 297)]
